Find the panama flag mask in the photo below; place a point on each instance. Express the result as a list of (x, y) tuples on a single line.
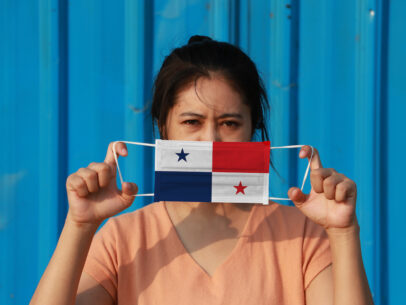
[(212, 171), (201, 171)]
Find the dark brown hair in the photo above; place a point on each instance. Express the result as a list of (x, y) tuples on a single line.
[(200, 57)]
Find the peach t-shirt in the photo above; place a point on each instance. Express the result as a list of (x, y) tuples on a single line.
[(139, 259)]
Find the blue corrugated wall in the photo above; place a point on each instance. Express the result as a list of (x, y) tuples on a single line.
[(76, 75)]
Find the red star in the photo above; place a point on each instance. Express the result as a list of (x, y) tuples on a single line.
[(240, 188)]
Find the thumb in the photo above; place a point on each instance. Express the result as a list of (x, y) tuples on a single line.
[(128, 192), (297, 196)]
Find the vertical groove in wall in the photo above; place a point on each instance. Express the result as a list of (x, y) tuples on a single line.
[(295, 176), (243, 24), (281, 84), (48, 132), (235, 22), (148, 56), (63, 99), (135, 84), (381, 144), (365, 144), (220, 20)]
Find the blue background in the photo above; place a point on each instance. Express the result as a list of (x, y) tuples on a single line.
[(76, 75)]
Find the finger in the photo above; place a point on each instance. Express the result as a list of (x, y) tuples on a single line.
[(297, 196), (121, 150), (76, 184), (126, 199), (104, 173), (128, 192), (344, 190), (317, 177), (329, 185), (91, 179), (306, 151)]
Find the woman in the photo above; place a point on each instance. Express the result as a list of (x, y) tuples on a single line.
[(207, 253)]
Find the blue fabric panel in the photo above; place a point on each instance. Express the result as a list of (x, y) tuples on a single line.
[(183, 186)]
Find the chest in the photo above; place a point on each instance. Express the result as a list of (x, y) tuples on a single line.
[(209, 244), (233, 264), (238, 273), (211, 256)]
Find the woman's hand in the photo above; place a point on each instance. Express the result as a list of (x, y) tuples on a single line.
[(92, 191), (331, 202)]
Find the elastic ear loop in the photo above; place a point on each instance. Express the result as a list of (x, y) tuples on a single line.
[(307, 169), (118, 167), (153, 145)]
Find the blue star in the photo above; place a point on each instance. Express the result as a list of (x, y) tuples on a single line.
[(182, 155)]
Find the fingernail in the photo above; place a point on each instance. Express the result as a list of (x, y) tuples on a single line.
[(123, 151), (302, 153)]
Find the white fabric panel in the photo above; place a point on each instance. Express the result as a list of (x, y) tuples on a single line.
[(199, 158), (256, 190)]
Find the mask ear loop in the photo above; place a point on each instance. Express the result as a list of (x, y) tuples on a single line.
[(153, 145), (307, 169), (118, 167)]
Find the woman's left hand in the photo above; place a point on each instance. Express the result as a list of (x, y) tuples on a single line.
[(331, 202)]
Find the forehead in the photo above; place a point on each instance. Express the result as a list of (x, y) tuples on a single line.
[(210, 95)]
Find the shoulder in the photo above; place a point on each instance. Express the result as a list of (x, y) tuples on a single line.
[(283, 214), (148, 213), (145, 225)]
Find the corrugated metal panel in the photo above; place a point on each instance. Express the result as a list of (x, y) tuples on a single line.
[(393, 146), (77, 75)]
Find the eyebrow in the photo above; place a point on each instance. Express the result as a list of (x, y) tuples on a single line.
[(225, 115), (191, 114), (230, 115)]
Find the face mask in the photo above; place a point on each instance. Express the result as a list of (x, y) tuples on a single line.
[(201, 171)]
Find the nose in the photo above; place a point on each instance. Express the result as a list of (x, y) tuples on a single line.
[(210, 133)]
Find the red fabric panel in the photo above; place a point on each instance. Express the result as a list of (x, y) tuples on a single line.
[(242, 157)]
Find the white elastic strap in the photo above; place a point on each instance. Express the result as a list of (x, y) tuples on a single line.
[(153, 145), (307, 169), (118, 167)]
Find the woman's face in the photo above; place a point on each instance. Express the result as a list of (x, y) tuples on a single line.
[(210, 111)]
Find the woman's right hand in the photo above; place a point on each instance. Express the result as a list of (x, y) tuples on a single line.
[(93, 194)]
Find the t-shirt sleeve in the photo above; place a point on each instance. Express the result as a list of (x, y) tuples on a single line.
[(101, 262), (316, 251)]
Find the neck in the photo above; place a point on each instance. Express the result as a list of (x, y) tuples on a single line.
[(205, 211)]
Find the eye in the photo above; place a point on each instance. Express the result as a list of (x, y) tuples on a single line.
[(191, 122), (231, 124)]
